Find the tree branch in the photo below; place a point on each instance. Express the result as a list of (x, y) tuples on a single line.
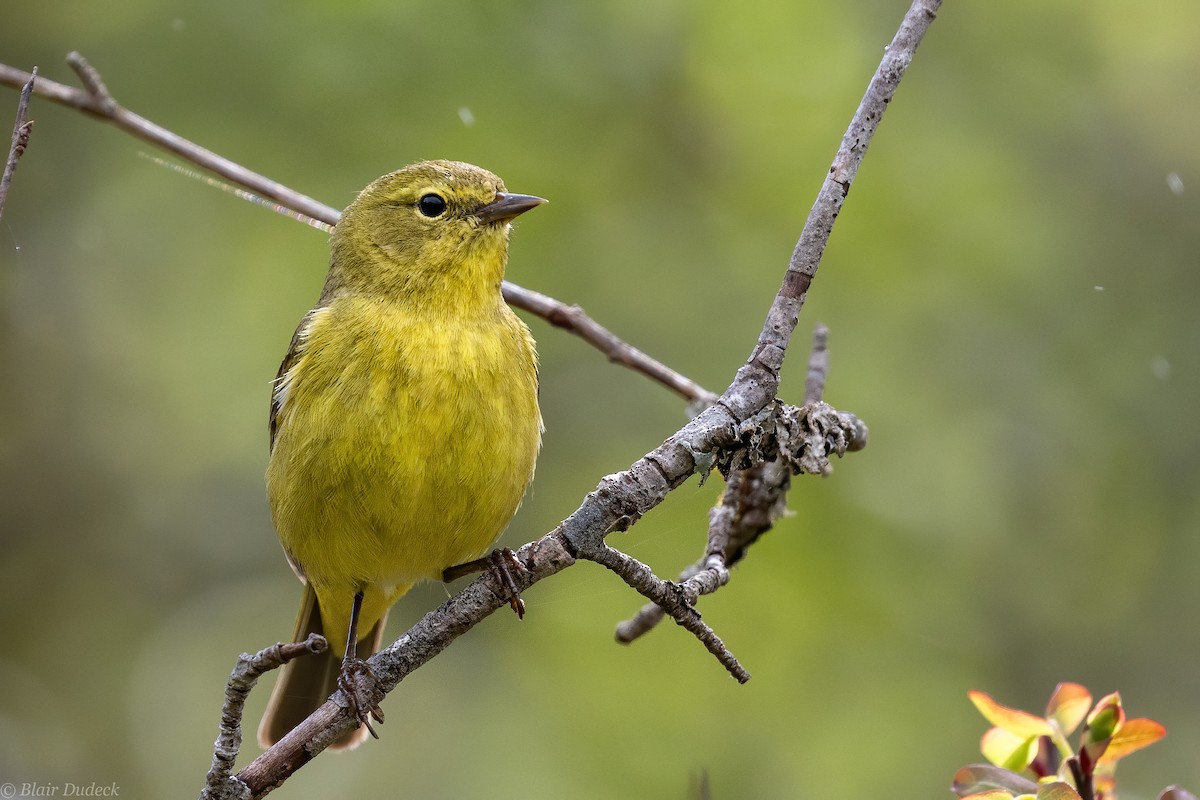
[(576, 320), (243, 678), (760, 376), (96, 100), (20, 139), (756, 497)]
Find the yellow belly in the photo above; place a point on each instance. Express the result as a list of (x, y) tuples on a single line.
[(403, 447)]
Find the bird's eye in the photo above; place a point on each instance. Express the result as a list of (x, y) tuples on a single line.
[(431, 205)]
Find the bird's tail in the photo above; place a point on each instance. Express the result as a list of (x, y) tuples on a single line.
[(305, 683)]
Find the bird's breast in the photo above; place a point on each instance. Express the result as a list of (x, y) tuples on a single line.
[(405, 442)]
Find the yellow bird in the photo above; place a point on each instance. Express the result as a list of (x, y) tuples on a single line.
[(404, 419)]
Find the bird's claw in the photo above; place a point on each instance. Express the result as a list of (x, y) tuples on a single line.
[(357, 682), (503, 562)]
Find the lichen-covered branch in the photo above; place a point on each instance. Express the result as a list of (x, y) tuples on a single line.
[(755, 497), (220, 781)]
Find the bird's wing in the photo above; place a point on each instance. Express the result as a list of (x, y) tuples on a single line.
[(279, 387)]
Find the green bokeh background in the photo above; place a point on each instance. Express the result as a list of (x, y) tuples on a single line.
[(1013, 295)]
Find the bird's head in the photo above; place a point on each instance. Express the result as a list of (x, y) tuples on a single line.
[(432, 228)]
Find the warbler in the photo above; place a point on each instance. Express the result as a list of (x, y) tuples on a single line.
[(404, 419)]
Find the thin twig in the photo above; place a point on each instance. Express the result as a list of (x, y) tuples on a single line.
[(95, 99), (818, 365), (20, 139), (674, 599), (245, 675), (762, 369), (576, 320)]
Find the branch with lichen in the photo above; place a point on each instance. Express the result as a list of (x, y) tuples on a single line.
[(755, 497), (754, 440)]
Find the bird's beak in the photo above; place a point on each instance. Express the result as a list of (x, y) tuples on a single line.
[(506, 206)]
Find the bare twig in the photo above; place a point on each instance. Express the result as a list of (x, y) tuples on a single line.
[(20, 139), (243, 678), (574, 319), (95, 99), (756, 382), (649, 615), (762, 370), (676, 600), (818, 365)]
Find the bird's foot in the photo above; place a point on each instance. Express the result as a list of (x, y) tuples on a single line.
[(357, 682), (502, 564)]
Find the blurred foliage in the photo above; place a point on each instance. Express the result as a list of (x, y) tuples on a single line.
[(1012, 292)]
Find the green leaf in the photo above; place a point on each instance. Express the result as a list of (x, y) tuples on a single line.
[(1105, 718), (1021, 723), (1068, 706), (1007, 750)]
